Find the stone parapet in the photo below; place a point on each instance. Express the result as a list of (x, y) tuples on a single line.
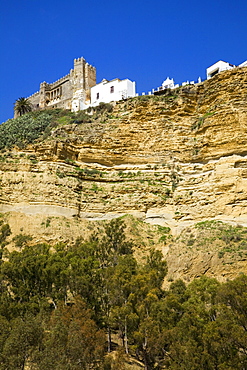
[(60, 81)]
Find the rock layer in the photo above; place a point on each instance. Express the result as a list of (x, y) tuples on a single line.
[(172, 160)]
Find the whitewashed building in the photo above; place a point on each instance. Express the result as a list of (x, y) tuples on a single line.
[(218, 67), (168, 83), (244, 64), (114, 90)]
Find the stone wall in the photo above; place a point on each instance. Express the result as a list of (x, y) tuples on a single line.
[(69, 92)]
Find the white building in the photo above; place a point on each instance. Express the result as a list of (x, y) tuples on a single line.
[(218, 67), (244, 64), (114, 90), (168, 83)]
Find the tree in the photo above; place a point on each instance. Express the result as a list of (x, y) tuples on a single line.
[(72, 340), (110, 251), (22, 106), (25, 275), (23, 339), (113, 244), (146, 291), (122, 315), (232, 318), (193, 337)]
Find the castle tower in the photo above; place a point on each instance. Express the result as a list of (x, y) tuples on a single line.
[(83, 77), (42, 96), (78, 74), (90, 76)]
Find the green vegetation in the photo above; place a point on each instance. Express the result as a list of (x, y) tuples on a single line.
[(166, 233), (63, 307), (32, 126), (37, 125), (60, 174), (22, 240), (103, 107), (200, 121), (228, 234), (217, 238), (95, 188), (128, 174), (24, 130), (68, 117), (167, 95)]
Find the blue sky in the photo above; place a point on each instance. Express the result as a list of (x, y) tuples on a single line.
[(141, 40)]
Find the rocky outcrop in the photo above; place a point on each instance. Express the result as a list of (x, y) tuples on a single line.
[(171, 160)]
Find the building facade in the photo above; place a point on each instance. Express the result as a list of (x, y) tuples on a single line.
[(221, 66), (114, 90), (69, 92), (78, 90), (218, 67)]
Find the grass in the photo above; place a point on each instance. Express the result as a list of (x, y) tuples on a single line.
[(228, 240), (95, 188), (200, 121)]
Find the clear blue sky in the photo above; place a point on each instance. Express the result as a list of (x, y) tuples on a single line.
[(145, 41)]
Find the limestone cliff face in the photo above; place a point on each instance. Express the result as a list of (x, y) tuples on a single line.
[(172, 160)]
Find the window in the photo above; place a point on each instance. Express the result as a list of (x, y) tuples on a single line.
[(112, 89), (97, 96), (214, 73)]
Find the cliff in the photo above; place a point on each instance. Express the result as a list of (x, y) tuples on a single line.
[(172, 160)]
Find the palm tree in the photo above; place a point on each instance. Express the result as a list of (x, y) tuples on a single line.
[(22, 106)]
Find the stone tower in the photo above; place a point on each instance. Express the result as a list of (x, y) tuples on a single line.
[(83, 74), (69, 92), (83, 77)]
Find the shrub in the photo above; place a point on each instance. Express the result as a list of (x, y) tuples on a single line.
[(91, 172), (82, 117), (22, 240), (5, 231), (23, 130), (104, 107)]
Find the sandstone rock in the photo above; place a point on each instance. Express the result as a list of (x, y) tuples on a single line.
[(170, 160)]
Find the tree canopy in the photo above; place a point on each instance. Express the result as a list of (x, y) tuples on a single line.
[(69, 306)]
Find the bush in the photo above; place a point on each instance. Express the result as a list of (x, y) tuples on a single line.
[(22, 240), (82, 117), (104, 107), (23, 130), (5, 231)]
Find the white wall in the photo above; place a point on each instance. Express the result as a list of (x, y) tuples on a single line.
[(108, 91), (218, 67), (78, 100), (168, 83), (244, 64)]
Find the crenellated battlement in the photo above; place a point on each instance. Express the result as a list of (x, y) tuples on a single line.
[(79, 60), (33, 95), (89, 66), (59, 81), (63, 93)]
